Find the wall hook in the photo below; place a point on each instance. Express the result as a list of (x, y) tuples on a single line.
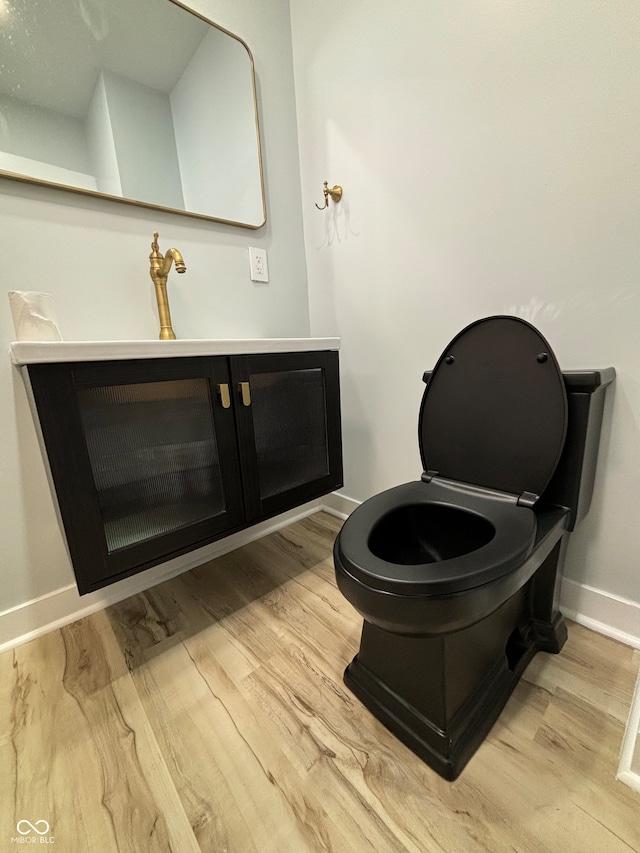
[(334, 192)]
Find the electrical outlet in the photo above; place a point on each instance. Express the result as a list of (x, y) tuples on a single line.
[(258, 264)]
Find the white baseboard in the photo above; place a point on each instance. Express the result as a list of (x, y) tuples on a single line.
[(629, 778), (339, 505), (618, 618), (629, 769), (601, 611), (35, 618)]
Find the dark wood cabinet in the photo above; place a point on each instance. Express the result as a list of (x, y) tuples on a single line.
[(289, 431), (153, 458)]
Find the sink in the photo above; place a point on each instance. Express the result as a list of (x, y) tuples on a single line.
[(34, 352)]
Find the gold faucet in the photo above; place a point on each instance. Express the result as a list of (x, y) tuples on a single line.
[(160, 266)]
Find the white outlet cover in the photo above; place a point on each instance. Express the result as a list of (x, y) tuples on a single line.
[(258, 264)]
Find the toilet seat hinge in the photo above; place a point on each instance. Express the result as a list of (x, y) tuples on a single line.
[(528, 499), (427, 476)]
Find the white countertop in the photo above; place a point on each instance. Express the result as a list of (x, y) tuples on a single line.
[(34, 352)]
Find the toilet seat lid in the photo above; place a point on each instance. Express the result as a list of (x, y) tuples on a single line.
[(494, 412)]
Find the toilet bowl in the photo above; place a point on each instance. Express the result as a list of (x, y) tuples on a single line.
[(455, 574)]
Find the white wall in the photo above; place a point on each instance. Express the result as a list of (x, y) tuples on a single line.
[(42, 135), (93, 256), (219, 75), (145, 145), (45, 171), (100, 141), (488, 155)]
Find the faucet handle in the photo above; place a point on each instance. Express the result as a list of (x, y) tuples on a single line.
[(155, 253)]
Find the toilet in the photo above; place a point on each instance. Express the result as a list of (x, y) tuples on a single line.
[(456, 575)]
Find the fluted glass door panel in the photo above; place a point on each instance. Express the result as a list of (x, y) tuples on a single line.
[(153, 455), (290, 425)]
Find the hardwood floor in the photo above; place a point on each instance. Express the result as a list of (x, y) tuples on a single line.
[(209, 714)]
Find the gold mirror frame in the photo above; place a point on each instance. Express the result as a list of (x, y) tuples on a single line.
[(248, 182)]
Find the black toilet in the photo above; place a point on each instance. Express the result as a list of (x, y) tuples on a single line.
[(456, 574)]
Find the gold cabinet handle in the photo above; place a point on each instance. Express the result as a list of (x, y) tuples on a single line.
[(245, 393), (223, 393)]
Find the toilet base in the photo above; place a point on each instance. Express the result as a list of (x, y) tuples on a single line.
[(441, 695)]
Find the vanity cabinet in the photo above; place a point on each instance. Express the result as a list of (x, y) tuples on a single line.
[(153, 458)]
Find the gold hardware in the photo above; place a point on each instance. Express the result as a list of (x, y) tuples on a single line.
[(223, 393), (245, 393), (334, 192), (160, 266)]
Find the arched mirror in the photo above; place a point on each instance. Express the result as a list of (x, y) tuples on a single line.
[(144, 102)]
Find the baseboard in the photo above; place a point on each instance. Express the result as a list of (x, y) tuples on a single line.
[(339, 505), (35, 618), (629, 769), (618, 618), (629, 778), (601, 611)]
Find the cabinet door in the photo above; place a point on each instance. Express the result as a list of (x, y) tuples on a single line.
[(143, 457), (288, 414)]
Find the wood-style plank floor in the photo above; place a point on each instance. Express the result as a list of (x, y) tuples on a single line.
[(209, 714)]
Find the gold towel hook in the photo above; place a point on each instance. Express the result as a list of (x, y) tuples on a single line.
[(334, 192)]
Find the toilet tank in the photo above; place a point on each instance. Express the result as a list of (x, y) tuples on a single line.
[(572, 483)]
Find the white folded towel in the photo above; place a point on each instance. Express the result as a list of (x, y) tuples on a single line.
[(34, 316)]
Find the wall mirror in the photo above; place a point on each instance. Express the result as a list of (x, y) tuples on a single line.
[(145, 102)]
